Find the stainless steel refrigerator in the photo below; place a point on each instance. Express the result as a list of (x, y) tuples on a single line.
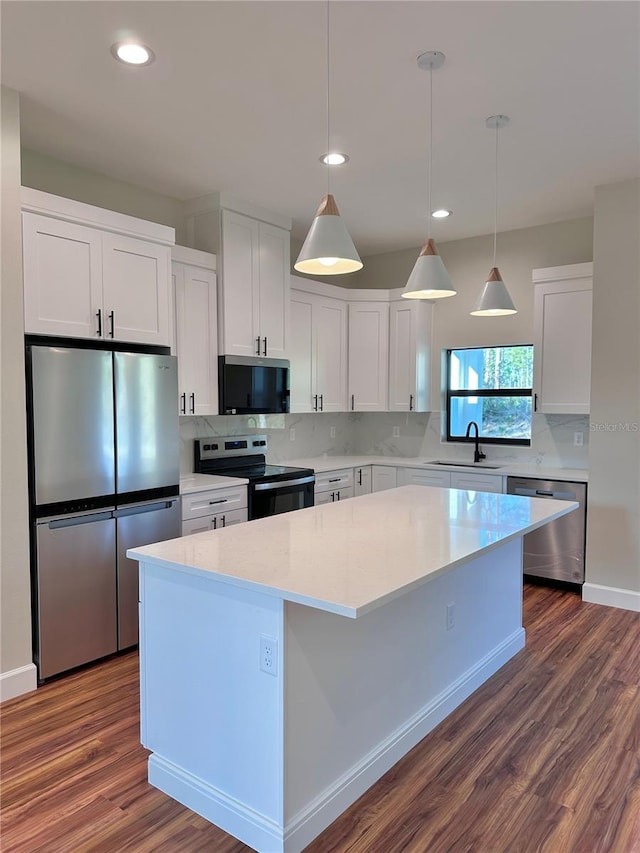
[(103, 477)]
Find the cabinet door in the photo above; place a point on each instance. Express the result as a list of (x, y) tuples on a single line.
[(421, 477), (330, 350), (302, 364), (368, 356), (383, 477), (239, 303), (196, 339), (362, 480), (62, 277), (274, 274), (477, 482), (321, 498), (343, 494), (409, 351), (136, 290), (562, 346)]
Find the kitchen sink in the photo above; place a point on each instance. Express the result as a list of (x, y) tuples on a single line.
[(462, 464)]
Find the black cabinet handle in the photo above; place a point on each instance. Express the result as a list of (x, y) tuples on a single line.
[(192, 398), (257, 346), (315, 402), (265, 346), (333, 496), (221, 501), (112, 322), (224, 521), (535, 402), (322, 402), (183, 404), (215, 523), (99, 316), (410, 402), (360, 477), (353, 402), (338, 494), (335, 480)]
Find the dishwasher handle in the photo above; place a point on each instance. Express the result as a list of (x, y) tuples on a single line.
[(543, 493)]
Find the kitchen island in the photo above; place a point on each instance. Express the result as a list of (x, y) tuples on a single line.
[(287, 663)]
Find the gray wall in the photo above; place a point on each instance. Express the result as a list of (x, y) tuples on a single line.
[(64, 179), (613, 540), (15, 637)]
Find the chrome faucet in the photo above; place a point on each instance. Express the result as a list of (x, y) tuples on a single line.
[(477, 453)]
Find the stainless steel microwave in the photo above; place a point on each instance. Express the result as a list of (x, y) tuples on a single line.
[(252, 386)]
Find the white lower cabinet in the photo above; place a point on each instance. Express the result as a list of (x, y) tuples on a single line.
[(213, 509), (334, 486), (383, 477), (362, 480), (423, 477), (477, 482)]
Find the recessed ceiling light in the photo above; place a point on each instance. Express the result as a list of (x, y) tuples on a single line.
[(334, 158), (441, 214), (133, 53)]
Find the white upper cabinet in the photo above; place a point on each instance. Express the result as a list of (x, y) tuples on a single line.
[(562, 339), (409, 349), (254, 295), (194, 280), (317, 353), (92, 273), (368, 356)]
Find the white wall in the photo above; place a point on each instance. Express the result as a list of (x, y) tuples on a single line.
[(613, 531), (18, 673)]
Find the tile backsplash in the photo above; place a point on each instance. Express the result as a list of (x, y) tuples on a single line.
[(372, 433)]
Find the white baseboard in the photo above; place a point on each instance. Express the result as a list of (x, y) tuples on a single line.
[(15, 682), (319, 814), (611, 596), (265, 835)]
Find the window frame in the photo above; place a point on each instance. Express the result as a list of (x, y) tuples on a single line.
[(483, 392)]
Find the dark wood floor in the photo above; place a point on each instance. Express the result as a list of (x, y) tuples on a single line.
[(544, 757)]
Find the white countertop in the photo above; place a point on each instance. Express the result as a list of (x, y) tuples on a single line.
[(321, 464), (352, 556), (204, 482)]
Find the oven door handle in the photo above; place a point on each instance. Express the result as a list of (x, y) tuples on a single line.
[(283, 484)]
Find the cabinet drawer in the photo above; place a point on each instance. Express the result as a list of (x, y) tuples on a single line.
[(331, 481), (477, 482), (214, 522), (422, 477), (213, 501)]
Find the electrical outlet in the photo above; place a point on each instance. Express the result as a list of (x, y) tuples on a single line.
[(396, 432), (268, 655), (451, 616), (292, 433), (578, 439), (332, 432)]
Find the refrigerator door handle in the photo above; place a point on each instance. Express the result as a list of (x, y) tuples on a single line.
[(140, 508), (74, 520)]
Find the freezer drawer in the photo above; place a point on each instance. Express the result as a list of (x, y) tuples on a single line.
[(141, 524), (556, 550), (76, 584)]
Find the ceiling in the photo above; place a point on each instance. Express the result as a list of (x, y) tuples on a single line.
[(236, 102)]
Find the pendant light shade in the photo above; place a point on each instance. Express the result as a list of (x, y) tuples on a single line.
[(494, 299), (328, 249), (429, 278)]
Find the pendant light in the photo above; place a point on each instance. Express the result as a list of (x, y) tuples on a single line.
[(328, 248), (494, 300), (429, 279)]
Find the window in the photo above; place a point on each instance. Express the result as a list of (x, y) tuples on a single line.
[(493, 387)]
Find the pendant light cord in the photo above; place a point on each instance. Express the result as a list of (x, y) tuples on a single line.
[(495, 211), (430, 150), (328, 103)]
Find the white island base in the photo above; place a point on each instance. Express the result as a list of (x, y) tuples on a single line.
[(269, 716)]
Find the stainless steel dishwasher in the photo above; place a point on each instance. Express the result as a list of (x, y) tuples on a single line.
[(555, 550)]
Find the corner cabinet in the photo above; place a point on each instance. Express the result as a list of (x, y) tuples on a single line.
[(93, 273), (318, 353), (194, 282), (562, 339), (368, 356), (409, 355), (254, 297)]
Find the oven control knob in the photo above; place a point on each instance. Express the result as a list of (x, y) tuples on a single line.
[(206, 447)]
